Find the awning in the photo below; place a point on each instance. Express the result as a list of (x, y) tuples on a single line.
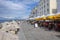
[(37, 18), (53, 17), (50, 17), (57, 17), (40, 18)]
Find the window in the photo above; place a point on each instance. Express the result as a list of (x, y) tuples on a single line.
[(44, 6), (47, 9), (54, 10), (47, 4), (44, 1)]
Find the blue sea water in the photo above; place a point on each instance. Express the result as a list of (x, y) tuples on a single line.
[(1, 21)]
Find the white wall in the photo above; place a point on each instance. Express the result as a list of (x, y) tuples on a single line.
[(53, 5)]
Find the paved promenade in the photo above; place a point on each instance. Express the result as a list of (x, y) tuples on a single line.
[(7, 36), (30, 33)]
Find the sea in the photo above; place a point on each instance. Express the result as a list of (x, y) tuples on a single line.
[(1, 21)]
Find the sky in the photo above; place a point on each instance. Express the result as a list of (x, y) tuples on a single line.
[(17, 8)]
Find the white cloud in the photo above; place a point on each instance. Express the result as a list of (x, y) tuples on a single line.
[(30, 1), (12, 5), (9, 17), (25, 16), (18, 8)]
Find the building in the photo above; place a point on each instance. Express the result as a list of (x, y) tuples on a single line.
[(47, 7), (33, 13)]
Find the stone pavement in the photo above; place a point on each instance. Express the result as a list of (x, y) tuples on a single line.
[(31, 33), (21, 33), (8, 36)]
